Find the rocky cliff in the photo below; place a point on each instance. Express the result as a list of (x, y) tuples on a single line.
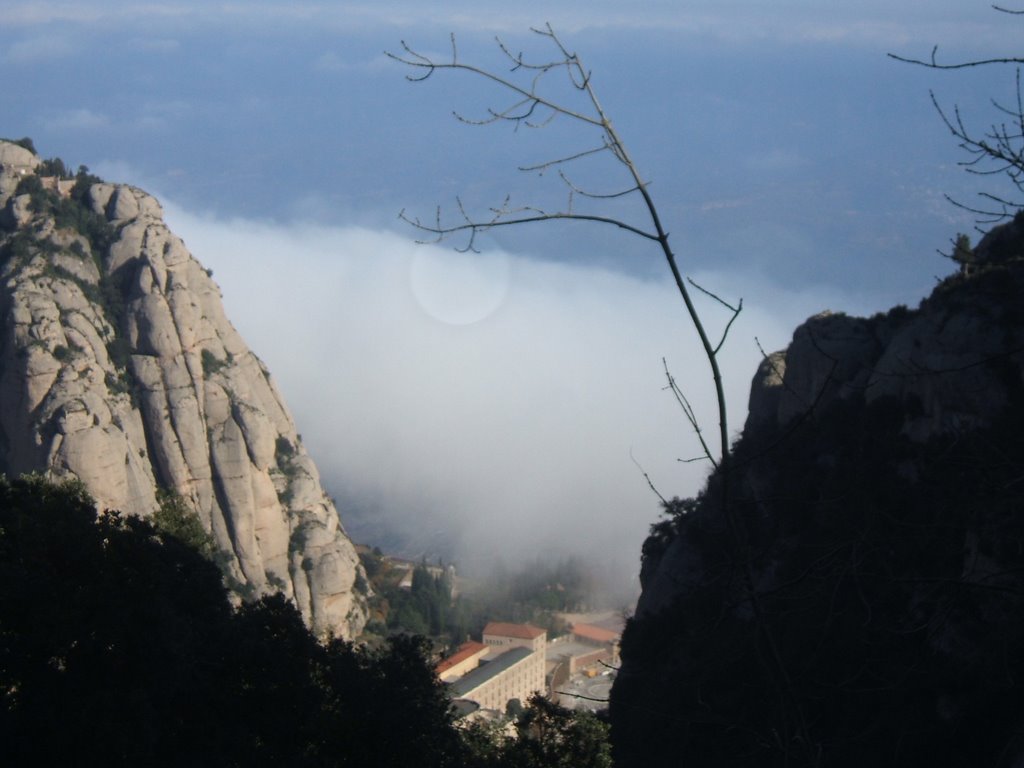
[(853, 591), (119, 367)]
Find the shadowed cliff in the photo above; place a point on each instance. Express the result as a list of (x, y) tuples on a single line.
[(869, 606)]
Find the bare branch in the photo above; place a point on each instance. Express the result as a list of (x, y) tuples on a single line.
[(417, 60), (596, 195), (650, 483), (690, 415), (997, 151), (991, 217), (530, 98), (734, 310), (567, 159), (693, 459), (474, 227), (932, 63), (581, 696), (715, 296)]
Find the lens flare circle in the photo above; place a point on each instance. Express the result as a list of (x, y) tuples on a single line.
[(459, 288)]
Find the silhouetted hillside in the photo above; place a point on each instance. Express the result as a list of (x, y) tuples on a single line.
[(867, 608)]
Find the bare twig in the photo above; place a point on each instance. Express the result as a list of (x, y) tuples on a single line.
[(567, 159), (595, 195), (735, 311), (997, 151), (933, 63), (581, 696), (650, 483), (689, 413)]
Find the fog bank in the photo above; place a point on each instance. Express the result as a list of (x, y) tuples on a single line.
[(483, 407)]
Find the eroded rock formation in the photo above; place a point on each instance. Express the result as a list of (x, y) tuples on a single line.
[(119, 367)]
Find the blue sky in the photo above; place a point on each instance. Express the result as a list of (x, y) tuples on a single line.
[(794, 164)]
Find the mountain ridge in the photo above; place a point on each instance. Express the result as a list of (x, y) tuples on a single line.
[(119, 367)]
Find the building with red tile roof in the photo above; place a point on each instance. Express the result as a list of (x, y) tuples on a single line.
[(520, 631), (589, 633), (508, 664), (514, 674), (502, 635), (464, 660)]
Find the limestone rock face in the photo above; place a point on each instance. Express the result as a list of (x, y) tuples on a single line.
[(119, 367)]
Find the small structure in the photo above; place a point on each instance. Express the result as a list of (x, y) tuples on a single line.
[(407, 567), (16, 159), (56, 184)]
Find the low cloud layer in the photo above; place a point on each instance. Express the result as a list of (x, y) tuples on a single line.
[(485, 407), (736, 21)]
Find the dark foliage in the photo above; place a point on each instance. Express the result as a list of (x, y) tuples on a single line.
[(25, 143), (175, 518), (213, 364), (890, 577), (113, 640), (426, 607), (118, 647), (551, 736), (53, 166), (548, 736)]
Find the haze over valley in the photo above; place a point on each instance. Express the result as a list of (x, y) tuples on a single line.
[(354, 409)]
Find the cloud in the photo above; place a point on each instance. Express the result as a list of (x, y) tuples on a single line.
[(77, 119), (330, 62), (489, 409), (737, 21), (156, 45), (32, 13), (39, 49), (162, 114), (35, 13), (775, 160)]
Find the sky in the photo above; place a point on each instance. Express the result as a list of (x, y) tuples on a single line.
[(504, 405)]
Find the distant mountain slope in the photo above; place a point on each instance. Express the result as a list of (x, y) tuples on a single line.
[(868, 606), (119, 367)]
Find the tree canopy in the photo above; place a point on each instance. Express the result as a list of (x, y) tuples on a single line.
[(118, 645)]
